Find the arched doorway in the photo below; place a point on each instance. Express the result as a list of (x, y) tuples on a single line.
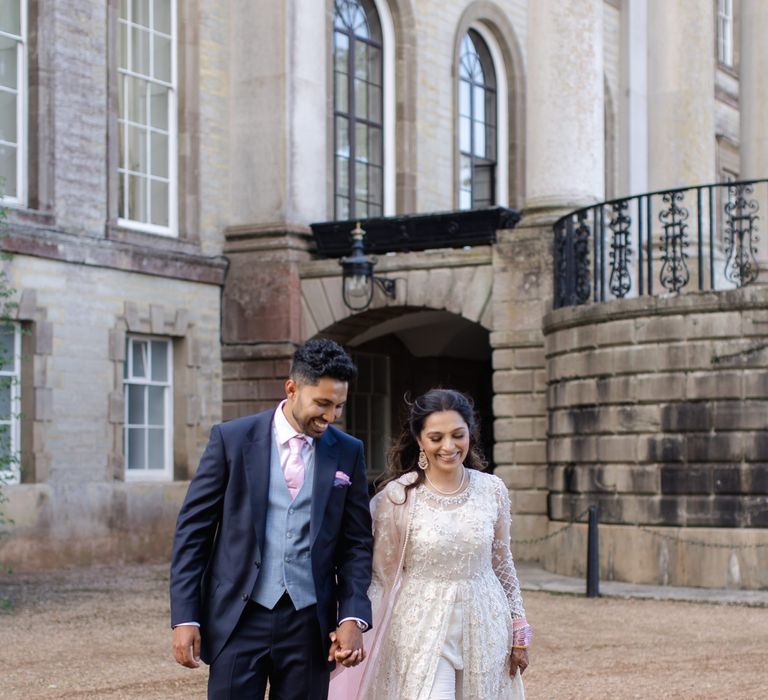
[(404, 351)]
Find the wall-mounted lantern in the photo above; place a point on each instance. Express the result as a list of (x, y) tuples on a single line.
[(358, 277)]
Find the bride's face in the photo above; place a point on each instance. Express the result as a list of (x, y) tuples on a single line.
[(445, 440)]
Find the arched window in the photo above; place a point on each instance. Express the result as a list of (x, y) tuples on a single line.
[(477, 123), (357, 110)]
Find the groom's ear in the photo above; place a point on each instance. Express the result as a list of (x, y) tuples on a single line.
[(291, 388)]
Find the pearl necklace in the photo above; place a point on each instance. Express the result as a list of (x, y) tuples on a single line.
[(448, 493)]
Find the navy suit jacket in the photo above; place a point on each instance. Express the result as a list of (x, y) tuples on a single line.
[(220, 531)]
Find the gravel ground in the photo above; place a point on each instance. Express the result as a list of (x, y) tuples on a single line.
[(103, 633)]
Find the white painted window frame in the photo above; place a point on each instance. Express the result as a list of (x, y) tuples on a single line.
[(12, 475), (725, 32), (22, 92), (173, 131), (501, 193), (147, 474)]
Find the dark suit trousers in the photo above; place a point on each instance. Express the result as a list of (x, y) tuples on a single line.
[(282, 645)]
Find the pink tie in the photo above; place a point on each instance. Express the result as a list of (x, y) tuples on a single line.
[(294, 467)]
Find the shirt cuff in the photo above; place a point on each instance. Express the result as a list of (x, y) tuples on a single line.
[(194, 624), (356, 619)]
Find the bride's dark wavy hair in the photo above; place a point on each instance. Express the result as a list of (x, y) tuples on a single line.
[(404, 455)]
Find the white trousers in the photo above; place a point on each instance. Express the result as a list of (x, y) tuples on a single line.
[(447, 683)]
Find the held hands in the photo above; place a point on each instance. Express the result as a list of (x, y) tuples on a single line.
[(186, 645), (518, 660), (347, 644)]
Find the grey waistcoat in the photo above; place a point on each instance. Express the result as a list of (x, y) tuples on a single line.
[(285, 557)]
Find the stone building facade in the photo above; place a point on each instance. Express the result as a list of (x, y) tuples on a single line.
[(289, 118)]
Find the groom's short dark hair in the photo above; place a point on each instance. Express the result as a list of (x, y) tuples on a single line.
[(321, 358)]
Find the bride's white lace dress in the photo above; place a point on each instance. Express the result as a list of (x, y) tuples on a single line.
[(458, 592)]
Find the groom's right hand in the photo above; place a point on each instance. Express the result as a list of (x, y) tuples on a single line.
[(186, 645)]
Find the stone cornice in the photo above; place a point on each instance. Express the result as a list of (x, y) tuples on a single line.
[(88, 250)]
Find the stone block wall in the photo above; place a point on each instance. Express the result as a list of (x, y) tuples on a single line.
[(657, 413), (74, 506)]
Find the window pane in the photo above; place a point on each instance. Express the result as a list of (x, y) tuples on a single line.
[(159, 154), (158, 96), (139, 367), (162, 17), (361, 181), (361, 142), (159, 361), (156, 448), (8, 170), (342, 208), (342, 175), (479, 149), (375, 146), (137, 149), (478, 103), (135, 457), (340, 51), (374, 65), (156, 405), (160, 203), (5, 398), (8, 65), (137, 198), (121, 203), (374, 103), (465, 137), (342, 87), (342, 137), (465, 199), (137, 100), (10, 16), (140, 12), (483, 185), (7, 348), (375, 186), (361, 60), (464, 99), (465, 176), (163, 58), (136, 415), (361, 99), (122, 45), (139, 51)]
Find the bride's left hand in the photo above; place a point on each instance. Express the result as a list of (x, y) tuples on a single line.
[(518, 659)]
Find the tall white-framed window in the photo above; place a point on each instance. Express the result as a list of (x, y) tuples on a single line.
[(10, 402), (363, 109), (147, 116), (483, 116), (725, 32), (148, 430), (13, 100)]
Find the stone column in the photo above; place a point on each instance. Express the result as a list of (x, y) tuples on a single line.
[(279, 100), (753, 101), (278, 185), (633, 99), (681, 93), (564, 119)]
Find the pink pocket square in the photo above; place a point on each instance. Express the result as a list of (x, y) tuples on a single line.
[(341, 479)]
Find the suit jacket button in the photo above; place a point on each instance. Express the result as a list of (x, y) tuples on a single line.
[(257, 564), (244, 596)]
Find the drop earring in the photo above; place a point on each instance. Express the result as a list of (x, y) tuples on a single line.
[(423, 462)]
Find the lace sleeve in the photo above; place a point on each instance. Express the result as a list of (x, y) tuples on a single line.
[(504, 568)]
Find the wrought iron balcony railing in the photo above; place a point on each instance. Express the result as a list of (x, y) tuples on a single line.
[(667, 242)]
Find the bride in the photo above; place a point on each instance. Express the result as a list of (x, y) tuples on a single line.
[(448, 616)]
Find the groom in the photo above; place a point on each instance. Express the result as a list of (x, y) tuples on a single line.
[(272, 550)]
